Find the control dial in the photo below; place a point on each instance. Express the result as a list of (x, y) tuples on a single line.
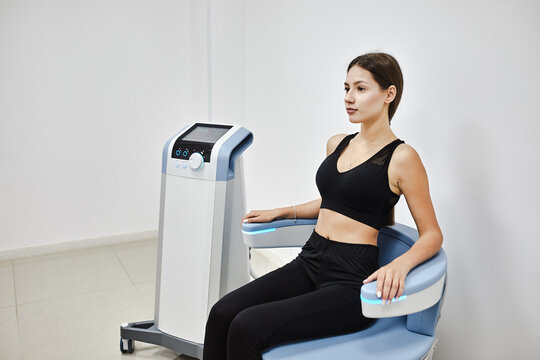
[(196, 161)]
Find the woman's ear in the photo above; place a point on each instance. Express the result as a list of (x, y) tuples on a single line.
[(390, 94)]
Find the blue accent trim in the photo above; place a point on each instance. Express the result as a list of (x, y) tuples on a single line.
[(379, 302), (229, 151), (165, 155), (257, 232)]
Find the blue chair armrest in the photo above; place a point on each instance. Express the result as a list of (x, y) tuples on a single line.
[(423, 288), (278, 233)]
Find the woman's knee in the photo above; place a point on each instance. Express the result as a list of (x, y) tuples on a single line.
[(246, 332), (222, 312)]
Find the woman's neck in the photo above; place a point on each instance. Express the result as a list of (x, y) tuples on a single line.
[(375, 132)]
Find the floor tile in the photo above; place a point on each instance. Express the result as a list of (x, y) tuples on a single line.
[(265, 260), (147, 291), (77, 327), (142, 351), (9, 339), (71, 305), (139, 260), (50, 277), (7, 288)]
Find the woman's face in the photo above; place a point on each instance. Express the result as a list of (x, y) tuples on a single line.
[(365, 101)]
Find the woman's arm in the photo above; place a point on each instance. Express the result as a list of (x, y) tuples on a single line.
[(309, 210), (408, 173)]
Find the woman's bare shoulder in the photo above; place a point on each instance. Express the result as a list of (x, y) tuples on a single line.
[(406, 163), (405, 155), (333, 142)]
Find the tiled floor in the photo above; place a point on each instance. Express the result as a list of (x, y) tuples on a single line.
[(70, 305)]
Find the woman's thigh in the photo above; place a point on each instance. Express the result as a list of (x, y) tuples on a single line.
[(287, 281), (328, 311)]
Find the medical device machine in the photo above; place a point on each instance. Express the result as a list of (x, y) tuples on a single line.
[(201, 255)]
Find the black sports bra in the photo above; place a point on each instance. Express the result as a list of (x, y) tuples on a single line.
[(361, 193)]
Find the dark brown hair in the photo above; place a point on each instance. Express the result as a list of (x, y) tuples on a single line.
[(386, 71)]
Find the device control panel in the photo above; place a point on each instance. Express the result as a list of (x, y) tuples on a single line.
[(199, 139), (205, 151)]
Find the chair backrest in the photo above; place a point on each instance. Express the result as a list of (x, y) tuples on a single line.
[(394, 241)]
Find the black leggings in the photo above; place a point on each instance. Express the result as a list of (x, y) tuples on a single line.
[(315, 295)]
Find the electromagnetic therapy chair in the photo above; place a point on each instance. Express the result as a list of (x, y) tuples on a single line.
[(405, 328)]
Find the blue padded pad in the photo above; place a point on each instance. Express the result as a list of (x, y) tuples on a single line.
[(387, 339), (277, 224), (424, 322), (395, 240)]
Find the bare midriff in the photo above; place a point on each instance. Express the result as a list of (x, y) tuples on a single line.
[(338, 227)]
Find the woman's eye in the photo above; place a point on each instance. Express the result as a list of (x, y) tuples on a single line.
[(361, 89), (346, 89)]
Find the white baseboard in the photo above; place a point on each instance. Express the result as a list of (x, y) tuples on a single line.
[(29, 251)]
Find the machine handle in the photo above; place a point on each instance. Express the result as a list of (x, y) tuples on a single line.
[(229, 151), (238, 150)]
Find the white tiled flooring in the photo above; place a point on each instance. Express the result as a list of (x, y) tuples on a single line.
[(70, 305)]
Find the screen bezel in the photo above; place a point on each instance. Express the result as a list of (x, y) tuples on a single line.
[(197, 125)]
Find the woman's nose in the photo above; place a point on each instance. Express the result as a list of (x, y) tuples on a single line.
[(348, 98)]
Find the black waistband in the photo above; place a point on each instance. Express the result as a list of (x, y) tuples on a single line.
[(337, 247)]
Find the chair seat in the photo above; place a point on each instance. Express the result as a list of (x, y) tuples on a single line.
[(388, 338)]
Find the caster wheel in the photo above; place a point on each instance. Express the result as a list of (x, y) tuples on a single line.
[(126, 346)]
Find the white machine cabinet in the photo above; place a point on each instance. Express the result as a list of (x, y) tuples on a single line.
[(201, 254)]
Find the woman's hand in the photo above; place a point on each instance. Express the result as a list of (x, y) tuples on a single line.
[(261, 216), (390, 280)]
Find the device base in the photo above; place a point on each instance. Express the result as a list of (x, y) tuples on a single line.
[(145, 331)]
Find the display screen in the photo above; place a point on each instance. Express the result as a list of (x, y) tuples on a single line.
[(205, 134), (200, 138)]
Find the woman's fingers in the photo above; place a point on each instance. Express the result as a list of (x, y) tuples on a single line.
[(258, 216), (387, 285), (390, 281), (394, 288), (371, 277), (401, 288), (380, 283), (390, 284)]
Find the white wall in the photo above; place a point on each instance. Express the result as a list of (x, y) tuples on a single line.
[(471, 73), (114, 79), (89, 93)]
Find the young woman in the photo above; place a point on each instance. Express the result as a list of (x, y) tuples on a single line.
[(360, 181)]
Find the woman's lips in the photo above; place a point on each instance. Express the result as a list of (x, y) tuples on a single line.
[(351, 110)]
